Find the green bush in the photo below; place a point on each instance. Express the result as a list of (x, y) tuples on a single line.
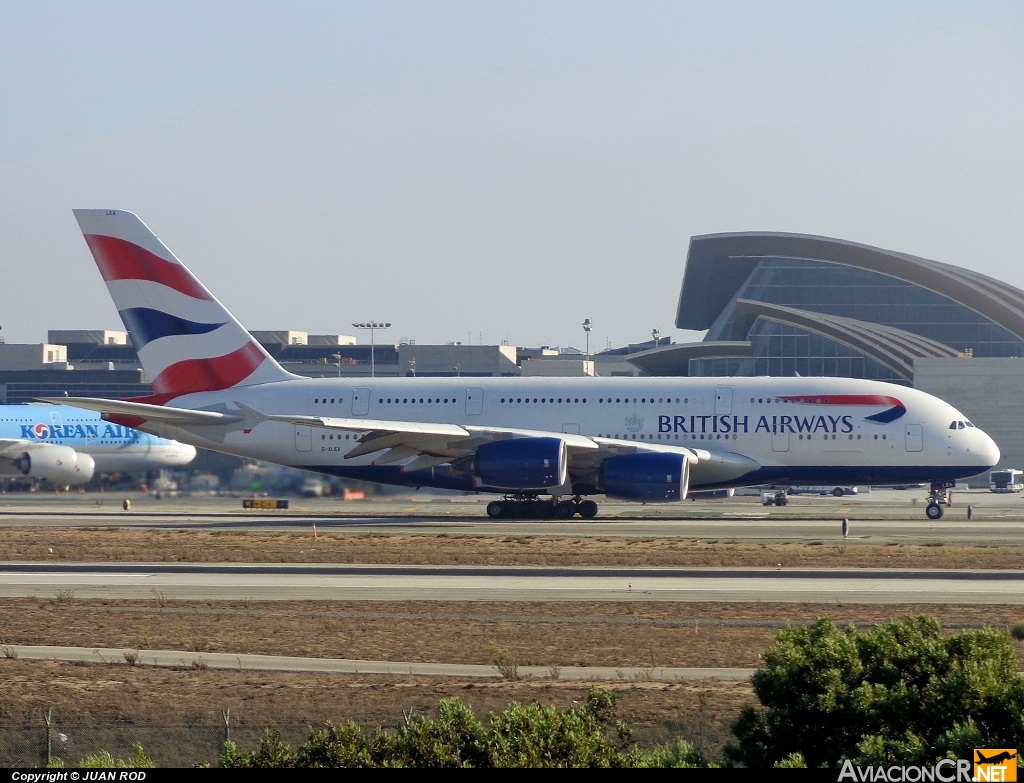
[(455, 738), (901, 693), (273, 753), (522, 736), (106, 760), (336, 746), (681, 755)]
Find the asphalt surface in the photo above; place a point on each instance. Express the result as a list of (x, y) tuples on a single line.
[(879, 515), (480, 583)]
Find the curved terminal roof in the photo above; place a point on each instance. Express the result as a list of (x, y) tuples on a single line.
[(718, 264), (674, 359), (889, 346)]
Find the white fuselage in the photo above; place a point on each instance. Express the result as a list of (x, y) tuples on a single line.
[(799, 430)]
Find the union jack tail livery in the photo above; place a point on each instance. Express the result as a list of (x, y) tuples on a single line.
[(187, 341)]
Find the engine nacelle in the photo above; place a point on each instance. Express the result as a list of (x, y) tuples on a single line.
[(522, 463), (59, 464), (652, 477)]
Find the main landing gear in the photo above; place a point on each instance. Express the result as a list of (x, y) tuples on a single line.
[(519, 506), (939, 496)]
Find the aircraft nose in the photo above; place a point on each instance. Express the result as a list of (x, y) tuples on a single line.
[(986, 451), (188, 453)]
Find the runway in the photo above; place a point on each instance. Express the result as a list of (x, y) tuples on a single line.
[(878, 516), (526, 584)]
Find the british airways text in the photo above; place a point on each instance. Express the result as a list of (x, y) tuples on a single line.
[(774, 424)]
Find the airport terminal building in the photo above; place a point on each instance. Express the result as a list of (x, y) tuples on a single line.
[(788, 304), (794, 304)]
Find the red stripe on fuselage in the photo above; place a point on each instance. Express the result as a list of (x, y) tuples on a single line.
[(119, 259), (200, 375), (842, 399)]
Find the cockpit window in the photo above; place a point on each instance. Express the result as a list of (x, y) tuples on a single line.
[(968, 424), (952, 426)]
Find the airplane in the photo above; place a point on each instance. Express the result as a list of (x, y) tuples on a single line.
[(544, 444), (69, 446), (1006, 755)]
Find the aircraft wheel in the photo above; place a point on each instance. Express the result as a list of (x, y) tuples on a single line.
[(588, 509), (934, 511), (565, 509), (838, 492), (495, 509)]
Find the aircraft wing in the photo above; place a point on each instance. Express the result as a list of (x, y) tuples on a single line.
[(430, 444), (142, 410)]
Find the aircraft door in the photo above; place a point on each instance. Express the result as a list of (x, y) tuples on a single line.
[(915, 437), (474, 401), (360, 401), (723, 400), (303, 438), (780, 440)]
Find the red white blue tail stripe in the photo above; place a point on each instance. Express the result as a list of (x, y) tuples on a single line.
[(187, 341)]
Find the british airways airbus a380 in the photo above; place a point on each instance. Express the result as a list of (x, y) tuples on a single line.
[(643, 439), (67, 445)]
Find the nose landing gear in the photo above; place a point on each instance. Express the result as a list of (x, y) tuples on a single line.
[(939, 496)]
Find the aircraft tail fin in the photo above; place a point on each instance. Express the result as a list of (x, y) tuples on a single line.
[(187, 340)]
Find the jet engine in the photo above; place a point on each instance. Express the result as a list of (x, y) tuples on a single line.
[(59, 464), (651, 477), (525, 464)]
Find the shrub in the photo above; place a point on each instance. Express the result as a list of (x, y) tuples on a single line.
[(901, 693), (106, 760), (455, 738), (273, 753)]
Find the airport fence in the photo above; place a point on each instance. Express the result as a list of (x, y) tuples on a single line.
[(50, 742)]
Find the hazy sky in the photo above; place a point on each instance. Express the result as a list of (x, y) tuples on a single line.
[(491, 170)]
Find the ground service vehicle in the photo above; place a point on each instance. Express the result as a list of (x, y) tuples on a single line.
[(1008, 480)]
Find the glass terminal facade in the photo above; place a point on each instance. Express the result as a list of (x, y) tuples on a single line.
[(872, 297), (786, 304)]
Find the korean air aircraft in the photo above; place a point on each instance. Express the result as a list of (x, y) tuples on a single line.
[(68, 445), (545, 444)]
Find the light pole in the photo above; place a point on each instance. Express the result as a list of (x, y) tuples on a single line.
[(587, 326), (337, 358), (656, 334), (372, 325)]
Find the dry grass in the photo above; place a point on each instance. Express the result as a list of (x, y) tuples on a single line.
[(238, 546)]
